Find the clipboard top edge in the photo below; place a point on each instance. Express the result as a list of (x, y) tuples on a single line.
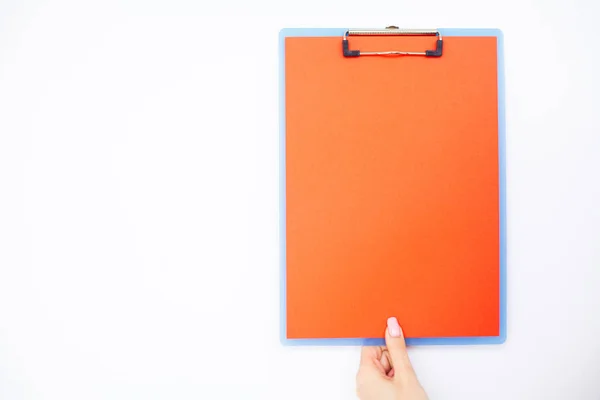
[(325, 32)]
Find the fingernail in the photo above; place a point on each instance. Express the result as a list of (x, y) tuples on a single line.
[(394, 327)]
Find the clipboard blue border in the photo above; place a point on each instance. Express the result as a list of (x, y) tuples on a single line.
[(475, 340)]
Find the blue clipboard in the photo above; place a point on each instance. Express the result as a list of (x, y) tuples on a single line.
[(482, 340)]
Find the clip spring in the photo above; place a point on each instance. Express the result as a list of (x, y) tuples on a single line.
[(392, 30)]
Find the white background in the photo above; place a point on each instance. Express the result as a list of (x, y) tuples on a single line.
[(139, 202)]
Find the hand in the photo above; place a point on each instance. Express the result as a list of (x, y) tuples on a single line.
[(385, 372)]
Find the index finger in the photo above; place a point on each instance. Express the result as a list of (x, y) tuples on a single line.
[(370, 364), (370, 353)]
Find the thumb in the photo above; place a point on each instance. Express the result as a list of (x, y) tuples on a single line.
[(396, 345)]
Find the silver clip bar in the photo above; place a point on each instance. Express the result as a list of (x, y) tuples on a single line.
[(392, 30)]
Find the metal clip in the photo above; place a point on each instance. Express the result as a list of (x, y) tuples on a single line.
[(392, 31)]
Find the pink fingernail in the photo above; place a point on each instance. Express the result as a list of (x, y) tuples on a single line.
[(394, 327)]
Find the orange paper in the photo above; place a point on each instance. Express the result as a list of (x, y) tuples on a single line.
[(392, 191)]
